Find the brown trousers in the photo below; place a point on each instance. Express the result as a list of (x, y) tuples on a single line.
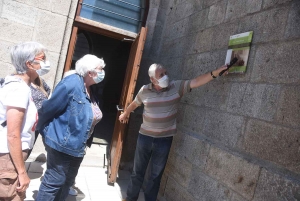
[(9, 179)]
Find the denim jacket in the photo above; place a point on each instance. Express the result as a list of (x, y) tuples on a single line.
[(66, 118)]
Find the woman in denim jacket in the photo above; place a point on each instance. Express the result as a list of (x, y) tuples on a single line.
[(66, 122)]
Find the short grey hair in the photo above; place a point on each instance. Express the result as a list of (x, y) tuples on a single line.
[(152, 69), (23, 52), (88, 63)]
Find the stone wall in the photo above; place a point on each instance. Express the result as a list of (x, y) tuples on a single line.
[(238, 136), (48, 22)]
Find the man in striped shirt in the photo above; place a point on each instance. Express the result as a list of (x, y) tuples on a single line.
[(160, 99)]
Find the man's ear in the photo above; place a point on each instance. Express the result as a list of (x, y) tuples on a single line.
[(152, 80), (91, 74)]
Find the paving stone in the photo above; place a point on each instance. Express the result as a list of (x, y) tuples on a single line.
[(192, 66), (216, 13), (19, 12), (222, 34), (50, 29), (214, 95), (253, 6), (202, 42), (156, 4), (180, 114), (175, 48), (73, 7), (254, 100), (276, 63), (197, 21), (237, 197), (203, 187), (45, 4), (6, 69), (271, 3), (66, 37), (60, 69), (175, 192), (1, 7), (293, 24), (235, 172), (152, 16), (198, 64), (194, 118), (193, 150), (235, 9), (275, 187), (223, 127), (184, 10), (174, 67), (163, 4), (255, 23), (14, 32), (271, 143), (180, 169), (288, 112), (5, 51), (176, 30), (274, 26), (207, 3), (61, 7)]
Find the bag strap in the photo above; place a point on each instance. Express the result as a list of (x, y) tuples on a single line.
[(2, 84)]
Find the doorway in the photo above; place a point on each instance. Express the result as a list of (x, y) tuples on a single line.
[(122, 51), (115, 54)]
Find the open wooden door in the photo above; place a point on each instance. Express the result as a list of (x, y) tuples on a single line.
[(126, 98)]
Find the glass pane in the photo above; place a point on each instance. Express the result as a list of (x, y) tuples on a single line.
[(123, 14)]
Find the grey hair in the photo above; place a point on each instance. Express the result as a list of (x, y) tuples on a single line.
[(23, 52), (88, 63), (152, 69)]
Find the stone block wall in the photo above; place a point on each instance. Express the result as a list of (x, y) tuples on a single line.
[(48, 22), (238, 136)]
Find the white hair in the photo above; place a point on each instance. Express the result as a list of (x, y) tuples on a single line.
[(152, 69), (88, 63), (23, 52)]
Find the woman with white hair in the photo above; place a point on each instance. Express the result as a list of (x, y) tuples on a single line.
[(18, 118), (66, 122)]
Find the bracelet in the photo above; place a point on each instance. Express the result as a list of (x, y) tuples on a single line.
[(212, 75)]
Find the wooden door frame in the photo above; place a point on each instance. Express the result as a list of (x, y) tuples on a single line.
[(98, 28)]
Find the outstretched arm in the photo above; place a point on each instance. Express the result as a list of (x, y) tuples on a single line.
[(205, 78), (123, 118)]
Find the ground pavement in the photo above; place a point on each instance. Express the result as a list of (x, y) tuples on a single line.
[(91, 181)]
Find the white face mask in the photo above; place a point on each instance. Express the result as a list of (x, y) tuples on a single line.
[(100, 76), (163, 82), (45, 68)]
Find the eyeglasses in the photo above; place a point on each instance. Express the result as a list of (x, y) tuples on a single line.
[(40, 58)]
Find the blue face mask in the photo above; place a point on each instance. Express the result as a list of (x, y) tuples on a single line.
[(100, 76)]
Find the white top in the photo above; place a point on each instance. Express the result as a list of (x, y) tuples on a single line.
[(15, 92)]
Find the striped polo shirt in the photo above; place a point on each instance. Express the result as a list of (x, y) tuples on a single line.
[(160, 108)]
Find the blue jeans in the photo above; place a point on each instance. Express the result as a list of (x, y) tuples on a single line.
[(59, 176), (156, 149)]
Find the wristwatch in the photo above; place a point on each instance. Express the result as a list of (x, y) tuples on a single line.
[(212, 75)]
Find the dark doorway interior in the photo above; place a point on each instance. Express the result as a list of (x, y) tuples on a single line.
[(115, 54)]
